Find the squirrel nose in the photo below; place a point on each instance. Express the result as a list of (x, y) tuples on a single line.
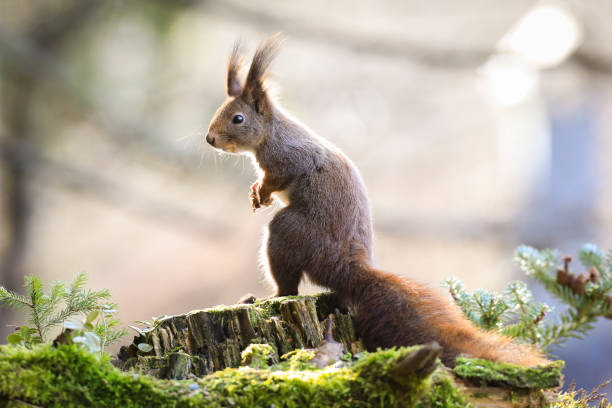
[(210, 138)]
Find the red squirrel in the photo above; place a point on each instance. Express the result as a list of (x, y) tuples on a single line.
[(324, 229)]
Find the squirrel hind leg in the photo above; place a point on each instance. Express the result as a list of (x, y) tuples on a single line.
[(285, 252), (283, 268)]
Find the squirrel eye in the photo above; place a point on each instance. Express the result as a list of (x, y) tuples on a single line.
[(238, 119)]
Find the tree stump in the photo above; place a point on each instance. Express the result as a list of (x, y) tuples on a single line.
[(203, 342), (212, 339)]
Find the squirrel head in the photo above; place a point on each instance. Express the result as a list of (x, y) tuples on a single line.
[(243, 120)]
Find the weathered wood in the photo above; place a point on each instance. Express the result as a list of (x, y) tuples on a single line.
[(501, 397), (214, 338)]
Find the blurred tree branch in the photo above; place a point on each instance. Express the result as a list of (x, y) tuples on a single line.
[(593, 63), (356, 41), (362, 42)]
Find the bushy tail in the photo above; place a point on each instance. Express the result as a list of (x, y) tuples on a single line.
[(394, 311)]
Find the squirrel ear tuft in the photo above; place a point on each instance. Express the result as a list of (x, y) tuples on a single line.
[(255, 91), (234, 84)]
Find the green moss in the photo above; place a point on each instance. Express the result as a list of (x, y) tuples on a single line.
[(298, 359), (222, 308), (481, 394), (152, 362), (271, 306), (487, 372), (326, 303), (256, 315), (257, 355), (70, 377), (366, 383), (513, 397), (443, 393)]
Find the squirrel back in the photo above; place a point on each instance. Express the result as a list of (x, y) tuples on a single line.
[(325, 227)]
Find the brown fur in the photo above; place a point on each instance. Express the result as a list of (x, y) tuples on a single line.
[(234, 84), (325, 229)]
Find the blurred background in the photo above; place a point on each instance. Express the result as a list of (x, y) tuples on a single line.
[(477, 126)]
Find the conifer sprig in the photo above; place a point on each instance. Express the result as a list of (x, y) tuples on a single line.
[(587, 296), (47, 310)]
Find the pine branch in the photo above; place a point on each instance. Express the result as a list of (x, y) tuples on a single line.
[(46, 311), (568, 328), (462, 298), (13, 299), (587, 295), (591, 256), (34, 287)]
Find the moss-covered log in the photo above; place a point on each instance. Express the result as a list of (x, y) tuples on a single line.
[(196, 361), (69, 376), (483, 372), (488, 384)]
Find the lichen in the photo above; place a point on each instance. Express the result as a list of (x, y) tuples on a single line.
[(581, 399), (491, 373)]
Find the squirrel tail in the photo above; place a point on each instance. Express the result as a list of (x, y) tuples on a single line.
[(393, 311)]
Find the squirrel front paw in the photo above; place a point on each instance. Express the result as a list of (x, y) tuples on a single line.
[(256, 200), (255, 196)]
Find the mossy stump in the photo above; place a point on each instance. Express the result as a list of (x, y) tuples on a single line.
[(231, 356), (215, 337), (202, 342)]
